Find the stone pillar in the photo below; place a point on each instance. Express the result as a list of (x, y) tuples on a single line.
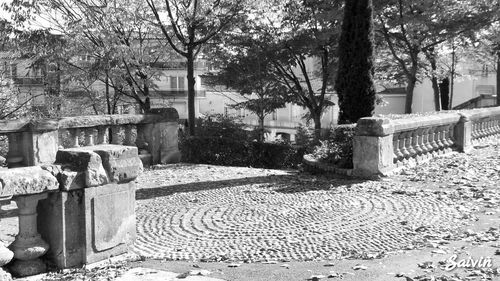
[(93, 216), (162, 137), (40, 143), (373, 149), (463, 133), (28, 245)]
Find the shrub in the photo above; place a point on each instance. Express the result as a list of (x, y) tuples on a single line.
[(214, 150), (338, 149), (218, 125), (275, 155), (223, 141)]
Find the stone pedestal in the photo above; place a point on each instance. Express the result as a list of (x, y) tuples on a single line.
[(28, 245), (463, 134), (88, 225), (373, 148), (92, 220)]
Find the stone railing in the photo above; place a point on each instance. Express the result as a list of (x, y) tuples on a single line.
[(79, 210), (381, 145), (72, 181), (31, 143)]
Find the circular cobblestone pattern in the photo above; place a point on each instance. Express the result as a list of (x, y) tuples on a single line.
[(282, 218)]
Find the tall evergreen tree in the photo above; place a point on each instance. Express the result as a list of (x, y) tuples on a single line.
[(354, 84)]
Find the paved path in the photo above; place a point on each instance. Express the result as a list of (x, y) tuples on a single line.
[(273, 215)]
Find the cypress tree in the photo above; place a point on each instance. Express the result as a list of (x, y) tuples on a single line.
[(354, 83)]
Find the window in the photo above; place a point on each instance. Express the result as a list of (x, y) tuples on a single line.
[(13, 70), (177, 82), (275, 115)]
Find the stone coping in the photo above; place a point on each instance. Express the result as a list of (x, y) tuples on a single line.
[(376, 126), (23, 125), (26, 180), (310, 161)]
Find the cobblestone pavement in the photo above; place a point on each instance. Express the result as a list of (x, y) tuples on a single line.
[(243, 214)]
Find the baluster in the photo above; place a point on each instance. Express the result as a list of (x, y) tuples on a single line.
[(404, 145), (481, 130), (28, 245), (89, 137), (491, 131), (417, 142), (129, 135), (433, 137), (410, 141), (115, 135), (74, 135), (440, 138), (448, 137), (398, 155), (102, 134), (428, 140), (496, 127), (482, 127), (475, 133)]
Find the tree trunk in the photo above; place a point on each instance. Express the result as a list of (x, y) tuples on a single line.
[(444, 90), (409, 94), (437, 94), (498, 78), (147, 102), (108, 102), (261, 128), (317, 126), (191, 93), (431, 56)]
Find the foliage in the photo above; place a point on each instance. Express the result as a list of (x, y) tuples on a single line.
[(354, 82), (248, 72), (338, 150), (298, 39), (304, 136), (411, 29), (222, 140), (188, 27), (108, 46), (221, 126)]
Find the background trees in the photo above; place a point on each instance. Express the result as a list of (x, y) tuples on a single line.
[(411, 29), (188, 27), (354, 82), (249, 72)]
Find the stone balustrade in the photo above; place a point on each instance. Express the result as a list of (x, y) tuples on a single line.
[(381, 145), (32, 143), (72, 181), (78, 210)]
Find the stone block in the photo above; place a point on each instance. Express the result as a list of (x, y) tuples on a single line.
[(110, 223), (61, 222), (5, 276), (88, 225), (372, 156), (26, 180), (6, 255), (370, 126), (40, 147), (84, 160), (122, 163)]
